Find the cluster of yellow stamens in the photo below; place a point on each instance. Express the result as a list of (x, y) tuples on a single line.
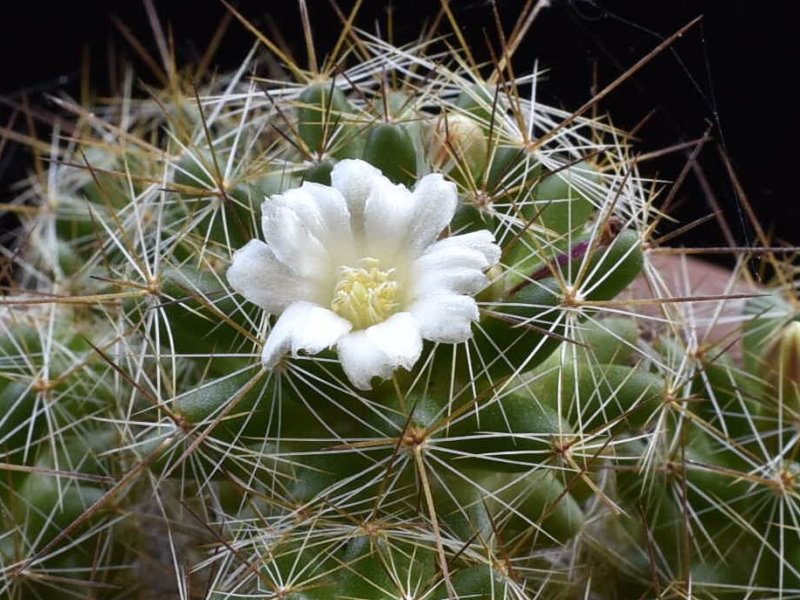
[(365, 295)]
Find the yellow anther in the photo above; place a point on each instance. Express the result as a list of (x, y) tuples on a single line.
[(365, 295)]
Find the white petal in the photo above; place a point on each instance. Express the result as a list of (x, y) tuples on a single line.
[(445, 317), (303, 326), (321, 208), (451, 265), (378, 350), (443, 257), (362, 360), (259, 277), (435, 202), (481, 241), (355, 178), (292, 242), (387, 214), (461, 280), (399, 338)]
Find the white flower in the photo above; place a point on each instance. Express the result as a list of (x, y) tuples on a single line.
[(357, 265)]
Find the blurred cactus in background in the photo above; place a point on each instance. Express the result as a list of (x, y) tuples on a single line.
[(359, 329)]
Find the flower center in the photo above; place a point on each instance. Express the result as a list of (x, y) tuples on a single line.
[(365, 295)]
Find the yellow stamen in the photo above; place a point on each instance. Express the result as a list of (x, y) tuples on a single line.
[(365, 295)]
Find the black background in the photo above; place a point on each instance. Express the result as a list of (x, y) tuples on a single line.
[(736, 71)]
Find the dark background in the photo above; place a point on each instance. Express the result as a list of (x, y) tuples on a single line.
[(736, 72)]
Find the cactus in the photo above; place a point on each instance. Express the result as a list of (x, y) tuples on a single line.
[(363, 332)]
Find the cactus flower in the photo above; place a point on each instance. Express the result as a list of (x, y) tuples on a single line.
[(357, 265)]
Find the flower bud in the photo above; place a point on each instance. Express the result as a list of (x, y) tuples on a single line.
[(781, 365), (459, 140)]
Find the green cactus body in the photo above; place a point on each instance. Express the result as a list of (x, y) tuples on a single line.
[(420, 377)]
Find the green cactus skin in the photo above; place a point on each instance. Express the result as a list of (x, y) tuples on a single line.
[(324, 121), (389, 147)]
